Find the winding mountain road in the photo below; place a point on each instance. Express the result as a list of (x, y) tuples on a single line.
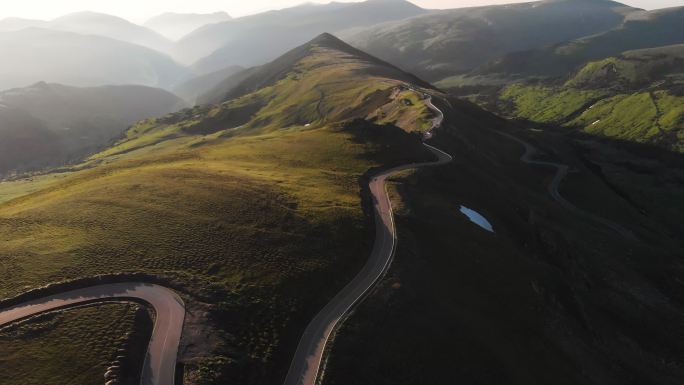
[(306, 364), (554, 186), (160, 362)]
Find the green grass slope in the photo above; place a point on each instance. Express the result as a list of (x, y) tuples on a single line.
[(259, 77), (636, 96), (634, 69), (76, 346), (264, 222), (551, 297)]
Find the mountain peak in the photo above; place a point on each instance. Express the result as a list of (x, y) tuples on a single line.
[(326, 39), (255, 78), (88, 16)]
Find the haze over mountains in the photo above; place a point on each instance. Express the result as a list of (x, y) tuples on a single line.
[(16, 24), (468, 46), (51, 124), (91, 23), (444, 43), (251, 165), (254, 40), (433, 44), (176, 25), (641, 29), (284, 158), (37, 54), (192, 89)]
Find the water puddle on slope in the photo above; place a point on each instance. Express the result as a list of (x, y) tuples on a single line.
[(477, 218)]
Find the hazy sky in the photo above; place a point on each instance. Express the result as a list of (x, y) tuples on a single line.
[(139, 10)]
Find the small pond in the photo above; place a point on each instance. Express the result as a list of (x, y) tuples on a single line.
[(477, 218)]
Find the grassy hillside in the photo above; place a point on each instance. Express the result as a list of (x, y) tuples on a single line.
[(76, 346), (634, 69), (264, 222), (636, 96), (19, 130), (257, 78), (47, 125), (445, 43), (550, 297)]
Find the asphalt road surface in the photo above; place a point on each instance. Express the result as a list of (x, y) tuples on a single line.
[(554, 186), (306, 363), (160, 361)]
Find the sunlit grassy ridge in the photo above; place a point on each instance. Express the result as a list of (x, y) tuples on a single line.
[(259, 196), (546, 104), (634, 69), (636, 96), (327, 85)]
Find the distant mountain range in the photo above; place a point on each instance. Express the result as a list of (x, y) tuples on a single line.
[(91, 23), (444, 43), (50, 124), (253, 79), (625, 83), (254, 40), (176, 25), (33, 54), (640, 30), (462, 49), (432, 44), (256, 203), (16, 23), (87, 49), (192, 89)]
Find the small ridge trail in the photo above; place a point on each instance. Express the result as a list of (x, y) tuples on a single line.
[(554, 186)]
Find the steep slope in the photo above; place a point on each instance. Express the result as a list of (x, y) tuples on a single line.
[(193, 88), (253, 209), (254, 40), (49, 124), (33, 55), (258, 225), (176, 25), (445, 43), (637, 96), (25, 141), (256, 78), (549, 297), (634, 69), (87, 337), (640, 30), (91, 23)]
